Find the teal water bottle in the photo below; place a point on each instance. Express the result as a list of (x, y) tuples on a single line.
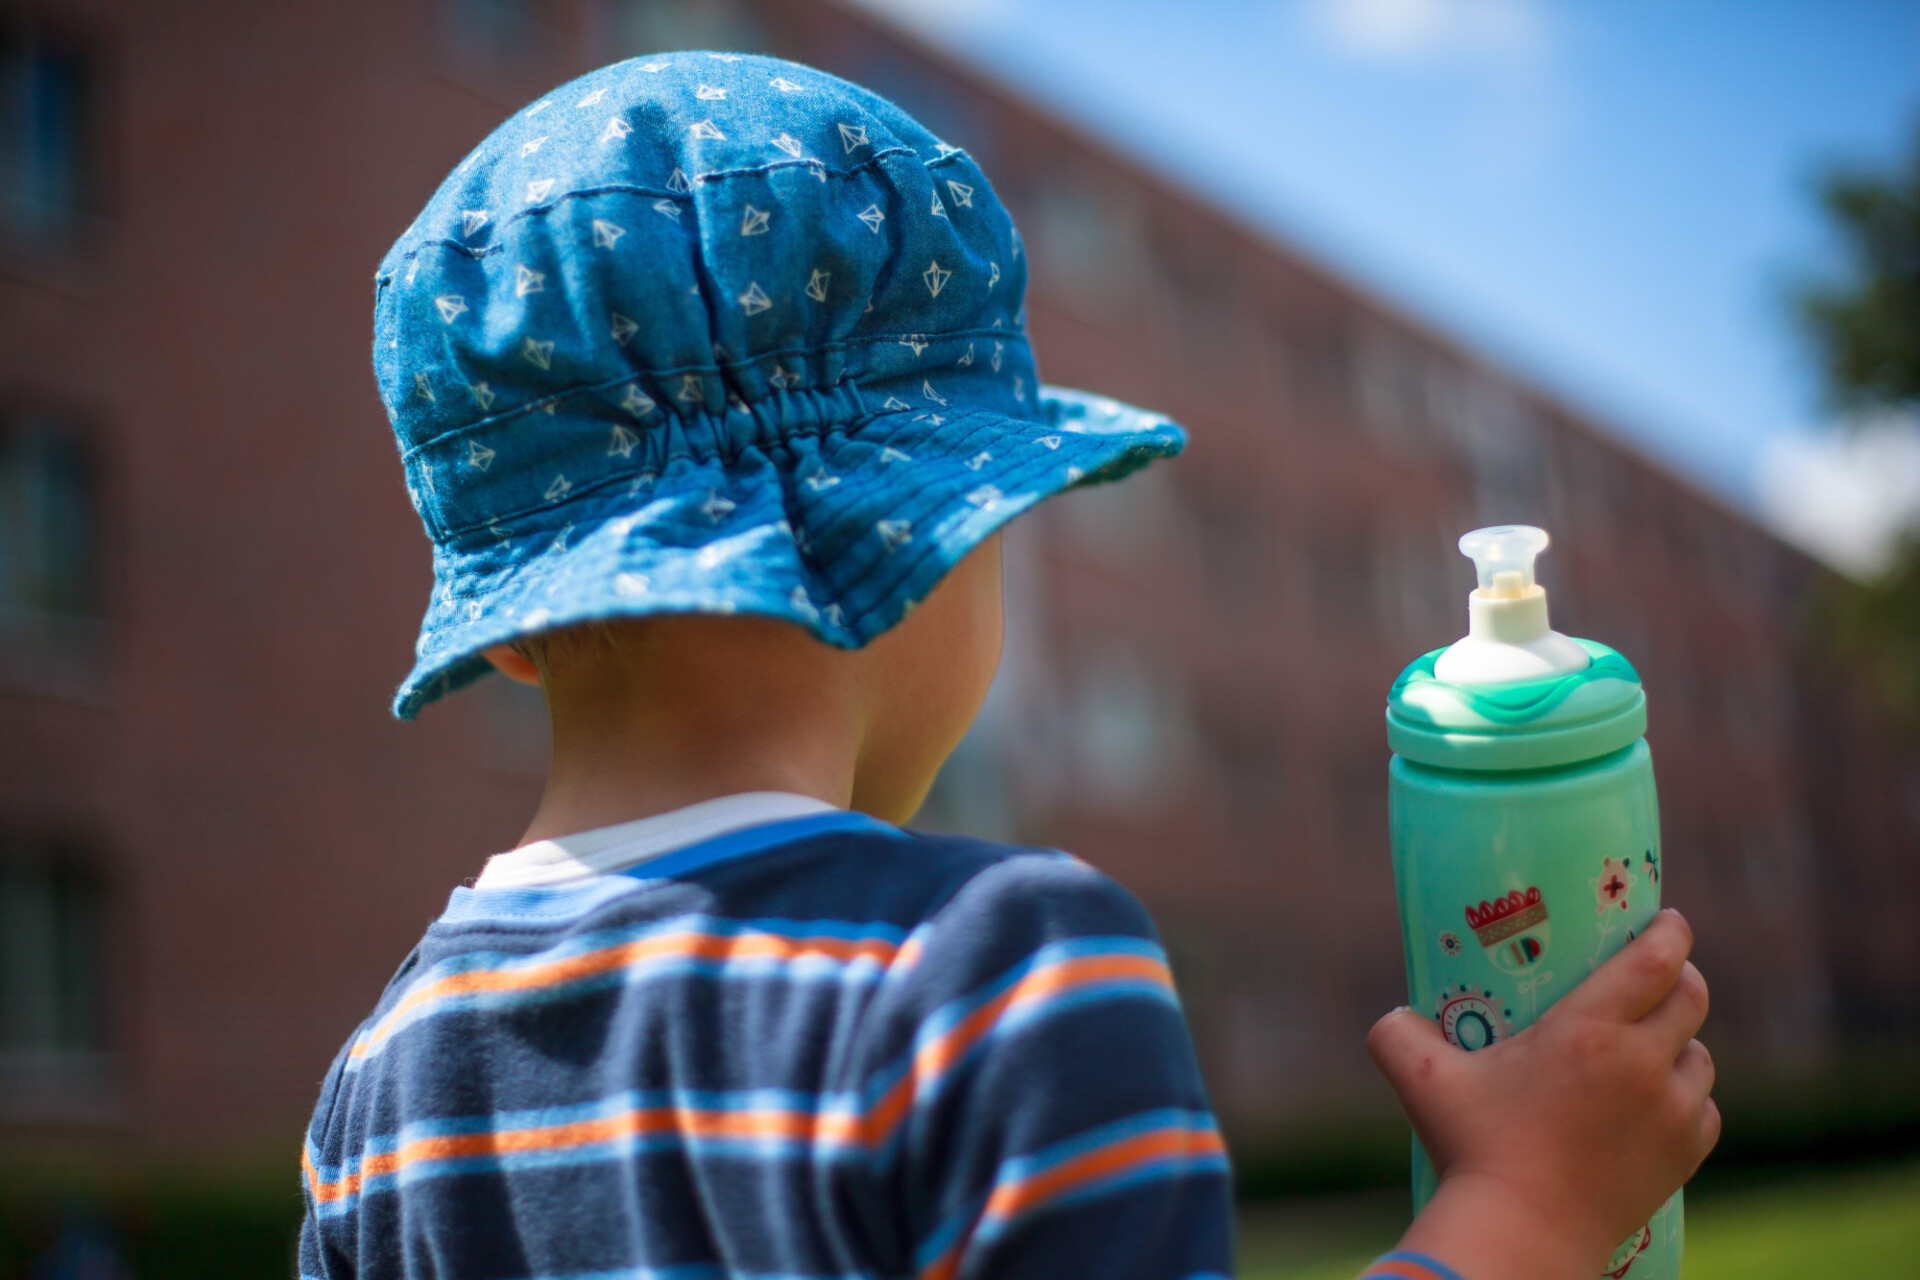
[(1526, 835)]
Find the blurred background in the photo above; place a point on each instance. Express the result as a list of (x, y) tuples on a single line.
[(1647, 277)]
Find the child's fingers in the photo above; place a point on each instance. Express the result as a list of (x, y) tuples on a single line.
[(1681, 1011), (1693, 1075), (1694, 1070), (1408, 1049), (1628, 986), (1709, 1128)]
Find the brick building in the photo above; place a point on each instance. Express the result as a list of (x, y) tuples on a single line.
[(215, 845)]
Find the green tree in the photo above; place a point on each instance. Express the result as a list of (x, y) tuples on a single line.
[(1865, 328)]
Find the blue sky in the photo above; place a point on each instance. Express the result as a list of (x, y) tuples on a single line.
[(1609, 197)]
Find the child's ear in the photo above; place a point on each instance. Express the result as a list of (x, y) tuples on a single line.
[(512, 664)]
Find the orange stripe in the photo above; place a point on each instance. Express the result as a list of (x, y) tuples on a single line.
[(1048, 980), (1101, 1162), (1401, 1269), (842, 1127), (1016, 1197), (795, 1125), (606, 959)]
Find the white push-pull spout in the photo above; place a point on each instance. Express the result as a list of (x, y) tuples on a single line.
[(1507, 638)]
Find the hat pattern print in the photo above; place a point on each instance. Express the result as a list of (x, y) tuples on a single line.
[(708, 332)]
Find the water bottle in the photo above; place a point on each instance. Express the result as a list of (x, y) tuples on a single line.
[(1525, 832)]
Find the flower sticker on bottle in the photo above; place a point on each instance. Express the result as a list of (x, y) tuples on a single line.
[(1450, 944), (1611, 886)]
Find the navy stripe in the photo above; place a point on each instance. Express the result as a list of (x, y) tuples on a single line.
[(736, 845)]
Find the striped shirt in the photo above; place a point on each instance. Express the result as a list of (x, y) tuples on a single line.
[(811, 1046)]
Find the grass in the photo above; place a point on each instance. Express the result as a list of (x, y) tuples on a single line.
[(1768, 1225), (1856, 1223)]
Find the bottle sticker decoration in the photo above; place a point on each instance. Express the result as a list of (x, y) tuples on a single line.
[(1611, 885), (1612, 890), (1630, 1248), (1472, 1018), (1512, 930)]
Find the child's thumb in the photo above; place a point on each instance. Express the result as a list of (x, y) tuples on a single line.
[(1408, 1049)]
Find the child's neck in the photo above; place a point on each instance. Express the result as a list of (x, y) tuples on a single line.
[(668, 724)]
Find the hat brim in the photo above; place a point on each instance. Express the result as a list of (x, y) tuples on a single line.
[(843, 539)]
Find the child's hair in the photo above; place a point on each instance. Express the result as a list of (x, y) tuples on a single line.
[(553, 650)]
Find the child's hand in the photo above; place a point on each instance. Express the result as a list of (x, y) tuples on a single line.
[(1556, 1144)]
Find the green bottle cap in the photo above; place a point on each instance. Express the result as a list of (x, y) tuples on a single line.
[(1527, 724)]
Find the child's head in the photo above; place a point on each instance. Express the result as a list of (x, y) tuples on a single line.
[(723, 337), (742, 702)]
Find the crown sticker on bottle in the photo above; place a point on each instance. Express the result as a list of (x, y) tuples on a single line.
[(1512, 930)]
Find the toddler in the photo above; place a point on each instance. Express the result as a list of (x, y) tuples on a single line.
[(710, 383)]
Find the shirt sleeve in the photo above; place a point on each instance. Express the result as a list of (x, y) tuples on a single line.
[(1403, 1264), (1047, 1117), (313, 1264), (320, 1258)]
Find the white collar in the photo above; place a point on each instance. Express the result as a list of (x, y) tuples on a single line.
[(605, 850)]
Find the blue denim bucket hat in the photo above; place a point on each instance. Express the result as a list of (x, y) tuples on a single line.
[(707, 332)]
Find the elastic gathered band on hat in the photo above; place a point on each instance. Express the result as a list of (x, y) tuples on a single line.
[(722, 334)]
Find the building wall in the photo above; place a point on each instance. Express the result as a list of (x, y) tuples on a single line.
[(1198, 659)]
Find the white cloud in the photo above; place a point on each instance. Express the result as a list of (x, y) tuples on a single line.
[(1496, 99), (1844, 496), (1511, 32)]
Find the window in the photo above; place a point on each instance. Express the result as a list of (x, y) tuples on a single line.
[(49, 957), (1131, 730), (505, 50), (635, 27), (1122, 526), (48, 527), (971, 795), (1390, 376), (999, 784), (52, 638), (1091, 244), (53, 1009), (45, 128), (1420, 585)]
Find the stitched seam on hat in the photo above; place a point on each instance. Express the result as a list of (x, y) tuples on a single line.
[(638, 189), (590, 388), (862, 415), (536, 406), (612, 188), (905, 567), (875, 479), (812, 166), (584, 491)]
